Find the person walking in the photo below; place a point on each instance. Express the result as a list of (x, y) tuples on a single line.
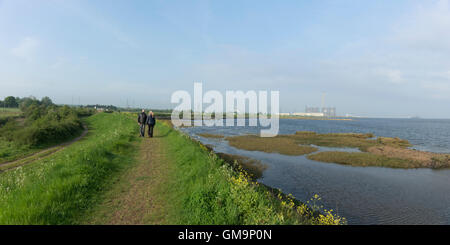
[(142, 119), (151, 123)]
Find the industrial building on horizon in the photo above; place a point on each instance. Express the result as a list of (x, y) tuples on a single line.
[(326, 111), (314, 112), (322, 111)]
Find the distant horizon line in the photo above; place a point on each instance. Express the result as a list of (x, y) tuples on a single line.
[(339, 116)]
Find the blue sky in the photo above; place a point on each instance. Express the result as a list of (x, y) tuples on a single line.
[(371, 58)]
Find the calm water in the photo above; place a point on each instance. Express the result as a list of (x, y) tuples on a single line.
[(362, 195)]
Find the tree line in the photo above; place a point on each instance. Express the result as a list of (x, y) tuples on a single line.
[(43, 123), (15, 102)]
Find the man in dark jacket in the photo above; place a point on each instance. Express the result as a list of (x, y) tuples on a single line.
[(142, 119), (151, 123)]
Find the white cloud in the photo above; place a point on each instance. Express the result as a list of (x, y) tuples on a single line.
[(26, 48)]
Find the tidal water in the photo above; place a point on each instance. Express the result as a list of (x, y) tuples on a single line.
[(363, 195)]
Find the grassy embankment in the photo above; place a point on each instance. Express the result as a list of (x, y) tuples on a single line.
[(36, 127), (207, 190), (57, 189), (380, 152)]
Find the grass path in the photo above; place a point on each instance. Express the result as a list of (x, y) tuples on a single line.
[(175, 180), (40, 154), (138, 195)]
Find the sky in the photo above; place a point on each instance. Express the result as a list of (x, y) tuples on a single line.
[(370, 58)]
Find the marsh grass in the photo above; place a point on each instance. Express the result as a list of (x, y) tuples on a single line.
[(214, 136), (279, 144), (352, 140), (380, 151), (363, 159)]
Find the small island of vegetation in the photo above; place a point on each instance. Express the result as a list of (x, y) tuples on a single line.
[(379, 152)]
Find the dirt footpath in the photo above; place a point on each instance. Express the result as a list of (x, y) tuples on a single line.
[(41, 154), (137, 197)]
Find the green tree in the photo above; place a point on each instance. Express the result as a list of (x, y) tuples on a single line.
[(46, 101), (27, 102), (10, 101)]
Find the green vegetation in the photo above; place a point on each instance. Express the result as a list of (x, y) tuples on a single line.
[(59, 188), (281, 144), (214, 136), (43, 124), (10, 102), (28, 159), (254, 168), (352, 140), (363, 159), (201, 188), (8, 112), (206, 190), (380, 152)]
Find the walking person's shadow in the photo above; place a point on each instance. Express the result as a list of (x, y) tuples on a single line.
[(157, 135)]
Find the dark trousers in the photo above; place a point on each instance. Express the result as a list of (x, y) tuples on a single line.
[(150, 130), (143, 129)]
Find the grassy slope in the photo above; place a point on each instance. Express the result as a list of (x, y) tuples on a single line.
[(11, 151), (56, 190), (8, 150), (205, 190)]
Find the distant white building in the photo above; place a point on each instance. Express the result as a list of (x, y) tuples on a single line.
[(302, 114), (308, 114)]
